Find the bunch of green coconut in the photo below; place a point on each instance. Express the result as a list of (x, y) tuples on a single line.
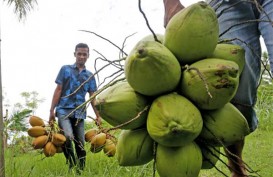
[(174, 106)]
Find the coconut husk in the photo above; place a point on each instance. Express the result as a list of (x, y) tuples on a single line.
[(183, 161), (50, 149), (173, 120), (36, 131), (119, 104), (40, 141), (134, 147), (58, 139), (36, 121)]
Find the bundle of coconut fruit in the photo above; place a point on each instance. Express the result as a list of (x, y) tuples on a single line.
[(174, 106), (45, 137), (99, 140)]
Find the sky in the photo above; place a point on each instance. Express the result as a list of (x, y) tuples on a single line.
[(32, 51)]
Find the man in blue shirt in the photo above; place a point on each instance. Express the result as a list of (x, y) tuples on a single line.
[(73, 82)]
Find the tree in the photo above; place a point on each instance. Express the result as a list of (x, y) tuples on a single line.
[(22, 7), (15, 124), (32, 100)]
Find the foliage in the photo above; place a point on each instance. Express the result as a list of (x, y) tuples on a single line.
[(15, 124), (22, 8), (31, 100), (264, 106), (265, 96), (22, 144)]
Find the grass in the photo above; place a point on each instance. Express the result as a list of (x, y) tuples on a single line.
[(258, 154)]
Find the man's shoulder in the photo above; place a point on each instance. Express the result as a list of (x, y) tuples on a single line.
[(71, 65), (67, 66)]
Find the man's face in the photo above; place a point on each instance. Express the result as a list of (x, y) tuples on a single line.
[(81, 55)]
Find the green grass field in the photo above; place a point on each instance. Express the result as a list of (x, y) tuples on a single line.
[(258, 154)]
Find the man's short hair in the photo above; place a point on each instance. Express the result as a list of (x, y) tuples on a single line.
[(82, 45)]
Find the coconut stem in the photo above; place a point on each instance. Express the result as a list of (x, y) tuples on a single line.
[(202, 77)]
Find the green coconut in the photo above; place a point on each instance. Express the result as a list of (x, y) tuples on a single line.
[(183, 161), (151, 69), (210, 154), (119, 104), (210, 83), (230, 52), (223, 126), (173, 120), (192, 34), (134, 147)]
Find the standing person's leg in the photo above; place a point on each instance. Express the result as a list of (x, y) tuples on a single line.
[(266, 28), (78, 128), (68, 150), (247, 36)]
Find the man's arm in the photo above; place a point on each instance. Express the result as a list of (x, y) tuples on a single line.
[(55, 101), (171, 8)]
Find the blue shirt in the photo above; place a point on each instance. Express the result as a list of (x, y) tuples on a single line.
[(70, 78)]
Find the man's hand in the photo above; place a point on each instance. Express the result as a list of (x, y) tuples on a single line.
[(51, 119), (171, 8)]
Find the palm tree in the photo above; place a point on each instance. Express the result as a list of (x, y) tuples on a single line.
[(15, 124), (21, 8)]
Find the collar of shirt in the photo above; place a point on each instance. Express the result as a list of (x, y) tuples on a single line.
[(75, 67)]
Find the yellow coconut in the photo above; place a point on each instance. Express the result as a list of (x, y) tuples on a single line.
[(50, 149), (36, 121), (58, 139), (95, 149), (40, 141), (109, 148), (90, 134), (99, 140), (36, 131)]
